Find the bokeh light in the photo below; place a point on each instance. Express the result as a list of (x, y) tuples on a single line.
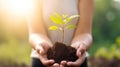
[(17, 7)]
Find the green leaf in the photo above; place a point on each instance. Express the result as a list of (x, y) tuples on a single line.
[(64, 15), (74, 16), (70, 26), (59, 18), (67, 20), (56, 18), (53, 28), (53, 18)]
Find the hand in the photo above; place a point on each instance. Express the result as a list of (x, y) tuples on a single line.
[(81, 49), (42, 48)]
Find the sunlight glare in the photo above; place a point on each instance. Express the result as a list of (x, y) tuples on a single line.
[(117, 0), (18, 6)]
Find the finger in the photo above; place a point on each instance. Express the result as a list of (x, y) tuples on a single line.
[(70, 63), (44, 48), (83, 47), (63, 62), (48, 62), (41, 50), (74, 64), (78, 53), (78, 62), (62, 65), (56, 65), (45, 61), (81, 50)]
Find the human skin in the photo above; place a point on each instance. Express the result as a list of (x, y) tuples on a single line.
[(82, 39), (37, 34)]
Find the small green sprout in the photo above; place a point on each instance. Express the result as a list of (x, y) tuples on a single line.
[(61, 21)]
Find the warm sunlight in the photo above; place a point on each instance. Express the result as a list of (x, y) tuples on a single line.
[(12, 16), (19, 7), (117, 0)]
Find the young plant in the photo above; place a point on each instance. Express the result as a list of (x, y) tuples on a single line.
[(62, 22)]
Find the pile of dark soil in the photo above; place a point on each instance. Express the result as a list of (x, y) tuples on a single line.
[(61, 52)]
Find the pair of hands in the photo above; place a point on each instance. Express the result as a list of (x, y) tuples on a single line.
[(44, 46)]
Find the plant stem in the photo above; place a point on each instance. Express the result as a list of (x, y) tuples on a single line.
[(63, 34)]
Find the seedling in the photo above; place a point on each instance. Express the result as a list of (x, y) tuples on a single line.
[(60, 51), (62, 23)]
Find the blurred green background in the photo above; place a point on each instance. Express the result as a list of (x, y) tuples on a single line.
[(15, 49)]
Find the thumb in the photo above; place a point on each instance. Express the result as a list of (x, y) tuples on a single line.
[(40, 49), (78, 53), (45, 60)]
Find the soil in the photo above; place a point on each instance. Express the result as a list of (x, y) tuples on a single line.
[(61, 52)]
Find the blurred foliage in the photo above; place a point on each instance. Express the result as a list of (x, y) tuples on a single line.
[(106, 20), (15, 51), (109, 53), (105, 25), (118, 40)]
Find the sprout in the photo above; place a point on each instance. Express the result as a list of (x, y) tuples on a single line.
[(62, 21)]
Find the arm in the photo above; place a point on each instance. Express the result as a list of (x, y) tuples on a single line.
[(37, 34), (84, 28), (83, 38), (35, 24)]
